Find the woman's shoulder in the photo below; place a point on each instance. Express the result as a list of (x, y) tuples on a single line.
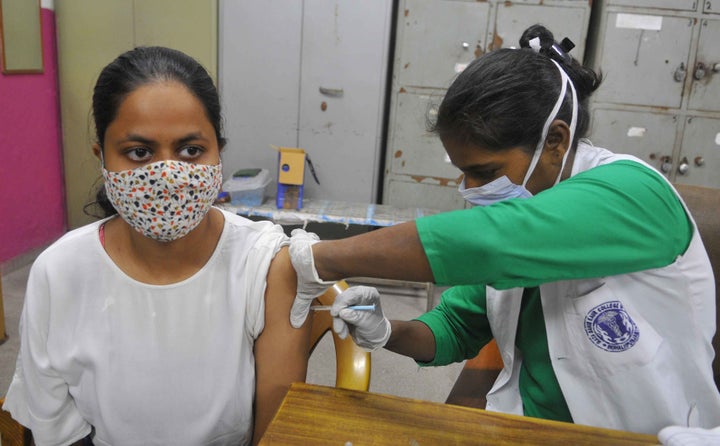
[(253, 234), (75, 241)]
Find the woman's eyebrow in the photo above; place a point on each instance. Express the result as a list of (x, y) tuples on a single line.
[(144, 140), (191, 137)]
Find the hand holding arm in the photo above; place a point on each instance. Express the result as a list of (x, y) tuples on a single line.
[(309, 284), (392, 253)]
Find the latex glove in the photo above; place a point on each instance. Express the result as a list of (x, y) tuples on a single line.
[(689, 436), (309, 284), (369, 329)]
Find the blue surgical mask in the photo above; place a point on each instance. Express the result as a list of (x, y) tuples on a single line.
[(496, 190), (502, 188)]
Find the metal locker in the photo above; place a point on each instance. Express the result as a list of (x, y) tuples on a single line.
[(564, 21), (414, 150), (670, 68), (644, 59), (314, 78), (649, 136), (437, 39), (705, 87), (679, 5), (699, 161), (345, 48), (404, 193)]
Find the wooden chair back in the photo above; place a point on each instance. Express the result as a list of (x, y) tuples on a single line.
[(12, 433), (352, 363)]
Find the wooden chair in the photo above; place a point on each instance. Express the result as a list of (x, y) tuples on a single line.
[(12, 433), (479, 374), (477, 378), (352, 362)]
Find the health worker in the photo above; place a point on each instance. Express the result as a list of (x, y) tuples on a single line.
[(585, 265)]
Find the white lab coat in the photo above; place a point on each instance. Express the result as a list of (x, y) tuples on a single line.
[(631, 352)]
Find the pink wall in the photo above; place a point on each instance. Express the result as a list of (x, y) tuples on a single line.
[(32, 203)]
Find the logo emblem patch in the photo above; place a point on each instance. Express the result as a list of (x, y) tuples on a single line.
[(611, 328)]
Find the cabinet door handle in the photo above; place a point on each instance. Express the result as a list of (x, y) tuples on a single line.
[(665, 164), (680, 73), (699, 71), (683, 167), (332, 92)]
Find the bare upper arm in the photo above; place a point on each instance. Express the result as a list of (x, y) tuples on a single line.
[(281, 351)]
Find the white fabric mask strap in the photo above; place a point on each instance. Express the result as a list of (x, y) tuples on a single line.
[(565, 79)]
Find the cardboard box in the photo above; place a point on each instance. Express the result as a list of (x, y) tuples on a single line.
[(291, 177)]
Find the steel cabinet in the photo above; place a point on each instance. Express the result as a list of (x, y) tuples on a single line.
[(308, 74), (435, 40), (660, 97)]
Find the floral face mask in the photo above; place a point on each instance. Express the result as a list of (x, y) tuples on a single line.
[(164, 200)]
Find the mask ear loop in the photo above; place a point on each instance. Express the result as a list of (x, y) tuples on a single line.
[(573, 120), (546, 127)]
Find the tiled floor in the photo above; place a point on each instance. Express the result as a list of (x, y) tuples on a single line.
[(391, 373)]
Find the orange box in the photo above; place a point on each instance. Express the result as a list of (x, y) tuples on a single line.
[(291, 168)]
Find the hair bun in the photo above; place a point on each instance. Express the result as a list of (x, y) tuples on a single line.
[(542, 41), (537, 31)]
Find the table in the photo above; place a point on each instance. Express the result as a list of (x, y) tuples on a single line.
[(319, 415), (344, 213), (326, 211)]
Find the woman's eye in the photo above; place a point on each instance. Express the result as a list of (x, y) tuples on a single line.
[(191, 152), (484, 175), (139, 154)]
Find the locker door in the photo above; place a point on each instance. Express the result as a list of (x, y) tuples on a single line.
[(644, 59), (649, 136), (405, 192), (514, 18), (345, 47), (414, 151), (679, 5), (259, 81), (437, 39), (705, 91), (701, 153)]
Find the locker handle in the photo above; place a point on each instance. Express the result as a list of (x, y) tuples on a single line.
[(665, 164), (332, 92), (680, 73), (684, 166)]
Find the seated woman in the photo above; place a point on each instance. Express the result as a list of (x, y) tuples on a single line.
[(167, 321)]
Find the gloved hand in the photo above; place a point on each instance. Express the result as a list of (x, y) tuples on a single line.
[(370, 329), (309, 285)]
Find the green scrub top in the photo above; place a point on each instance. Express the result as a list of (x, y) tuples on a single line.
[(609, 220)]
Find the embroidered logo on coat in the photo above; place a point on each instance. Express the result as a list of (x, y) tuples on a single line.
[(611, 328)]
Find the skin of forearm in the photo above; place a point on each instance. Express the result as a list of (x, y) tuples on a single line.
[(394, 252), (413, 339)]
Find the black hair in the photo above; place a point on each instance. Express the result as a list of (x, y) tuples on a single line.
[(503, 98), (138, 67)]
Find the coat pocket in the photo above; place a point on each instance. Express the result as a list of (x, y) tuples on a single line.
[(610, 333)]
